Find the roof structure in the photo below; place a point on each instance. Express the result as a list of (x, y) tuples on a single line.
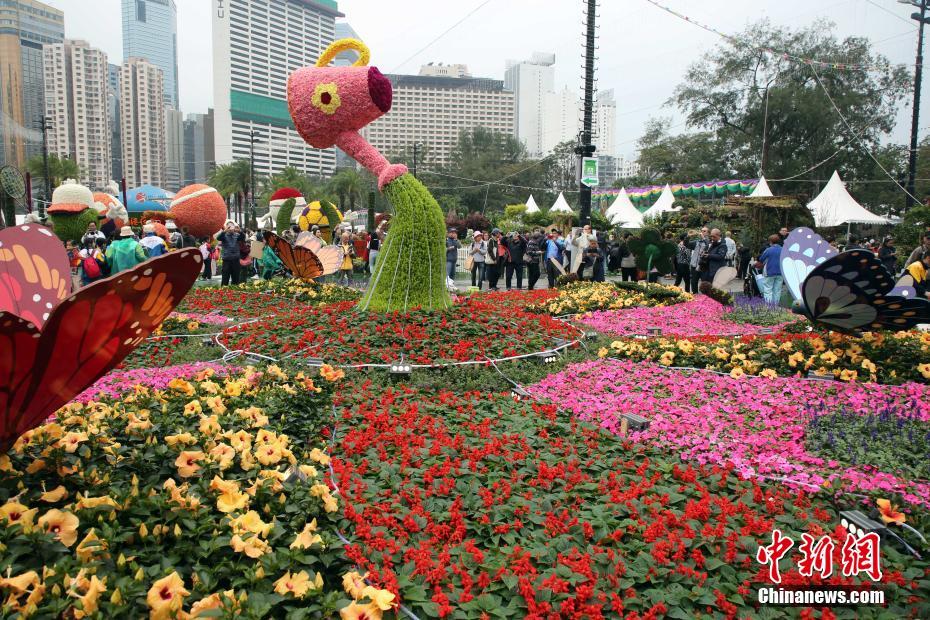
[(623, 213), (835, 207)]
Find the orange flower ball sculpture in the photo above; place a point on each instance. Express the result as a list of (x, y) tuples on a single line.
[(200, 209)]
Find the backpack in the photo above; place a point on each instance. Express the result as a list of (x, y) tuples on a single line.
[(91, 268)]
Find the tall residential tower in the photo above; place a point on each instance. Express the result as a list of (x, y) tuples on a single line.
[(142, 119), (150, 31), (531, 81)]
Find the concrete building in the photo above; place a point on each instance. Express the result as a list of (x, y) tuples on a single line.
[(256, 46), (25, 26), (142, 119), (627, 169), (442, 70), (174, 148), (116, 147), (198, 148), (76, 106), (433, 111), (150, 31), (561, 119), (345, 31), (608, 170), (530, 81), (605, 123)]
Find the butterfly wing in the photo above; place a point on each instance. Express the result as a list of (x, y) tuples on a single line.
[(330, 258), (724, 276), (904, 287), (803, 251), (34, 272), (85, 337), (310, 241), (301, 262)]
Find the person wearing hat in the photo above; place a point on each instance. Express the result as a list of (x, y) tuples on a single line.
[(125, 253), (478, 251), (153, 244), (493, 259), (452, 251)]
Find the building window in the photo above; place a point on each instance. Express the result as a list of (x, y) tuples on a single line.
[(140, 10)]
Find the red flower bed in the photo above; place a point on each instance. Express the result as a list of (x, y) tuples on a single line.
[(231, 302), (474, 506), (473, 330)]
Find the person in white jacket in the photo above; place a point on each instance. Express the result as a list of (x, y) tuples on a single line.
[(580, 242)]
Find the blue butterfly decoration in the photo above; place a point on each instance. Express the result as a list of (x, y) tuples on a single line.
[(847, 291)]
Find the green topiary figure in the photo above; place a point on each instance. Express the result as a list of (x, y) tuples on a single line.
[(329, 105), (652, 251), (410, 270), (71, 211), (284, 216)]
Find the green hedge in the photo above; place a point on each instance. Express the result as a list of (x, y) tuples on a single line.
[(72, 226), (411, 269), (284, 215)]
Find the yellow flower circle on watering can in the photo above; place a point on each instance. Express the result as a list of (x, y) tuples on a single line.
[(312, 215)]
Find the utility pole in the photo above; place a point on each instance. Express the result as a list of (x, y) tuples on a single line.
[(415, 147), (586, 148), (44, 126), (921, 19), (251, 172)]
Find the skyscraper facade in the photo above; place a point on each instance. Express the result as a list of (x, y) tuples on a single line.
[(174, 148), (530, 81), (256, 46), (198, 148), (560, 120), (142, 120), (605, 123), (76, 106), (150, 31), (25, 26), (116, 147)]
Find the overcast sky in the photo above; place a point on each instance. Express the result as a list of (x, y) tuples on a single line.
[(644, 52)]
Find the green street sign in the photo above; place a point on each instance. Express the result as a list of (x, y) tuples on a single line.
[(589, 171)]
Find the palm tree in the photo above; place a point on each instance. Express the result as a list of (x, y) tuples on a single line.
[(348, 185), (59, 169), (233, 179), (288, 177)]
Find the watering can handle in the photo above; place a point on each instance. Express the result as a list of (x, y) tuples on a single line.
[(342, 45)]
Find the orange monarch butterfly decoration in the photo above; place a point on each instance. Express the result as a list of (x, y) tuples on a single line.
[(45, 363), (308, 258)]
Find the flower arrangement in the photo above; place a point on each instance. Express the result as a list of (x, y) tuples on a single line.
[(892, 359), (511, 510), (580, 297), (473, 330), (198, 500), (761, 426), (117, 383), (698, 317), (301, 290)]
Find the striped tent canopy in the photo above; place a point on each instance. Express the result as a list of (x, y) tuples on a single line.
[(643, 197)]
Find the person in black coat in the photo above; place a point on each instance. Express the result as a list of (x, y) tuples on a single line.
[(516, 246), (594, 260), (716, 256), (533, 257)]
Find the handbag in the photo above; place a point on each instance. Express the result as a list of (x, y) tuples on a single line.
[(469, 263)]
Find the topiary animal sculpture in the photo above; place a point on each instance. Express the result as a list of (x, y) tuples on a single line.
[(72, 210), (329, 105), (651, 251)]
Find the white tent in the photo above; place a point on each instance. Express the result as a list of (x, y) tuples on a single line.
[(835, 207), (663, 204), (561, 206), (622, 212), (762, 190), (531, 206)]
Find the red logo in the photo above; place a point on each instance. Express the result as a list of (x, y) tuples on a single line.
[(140, 197), (858, 555)]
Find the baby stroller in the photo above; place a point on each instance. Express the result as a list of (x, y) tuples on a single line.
[(751, 284)]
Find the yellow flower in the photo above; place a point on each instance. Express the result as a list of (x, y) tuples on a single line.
[(848, 375), (55, 495), (187, 463), (210, 425), (737, 373), (667, 358), (868, 365), (223, 454), (241, 441), (180, 438), (254, 547), (795, 358), (319, 456), (818, 345), (215, 403), (829, 357), (308, 470), (924, 369), (768, 373), (166, 597), (330, 504), (62, 524), (233, 388), (382, 599), (721, 354), (296, 584), (355, 611), (275, 371), (210, 387), (89, 546), (232, 501), (71, 441), (18, 514), (354, 584), (251, 523), (685, 346), (181, 386), (204, 374), (95, 588), (326, 98), (84, 503), (268, 454), (307, 537), (331, 374), (603, 352), (193, 408), (137, 423)]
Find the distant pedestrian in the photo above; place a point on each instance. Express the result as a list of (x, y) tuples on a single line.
[(229, 239), (770, 264), (698, 248), (888, 255), (716, 256), (124, 253), (627, 260), (683, 264), (516, 248), (478, 251), (532, 257), (452, 252)]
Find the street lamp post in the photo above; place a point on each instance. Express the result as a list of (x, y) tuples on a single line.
[(921, 19)]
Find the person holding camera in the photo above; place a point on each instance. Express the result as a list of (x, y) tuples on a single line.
[(230, 238), (533, 256)]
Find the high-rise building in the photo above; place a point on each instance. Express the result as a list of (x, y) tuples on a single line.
[(608, 170), (433, 111), (561, 122), (150, 31), (174, 148), (116, 147), (142, 119), (530, 81), (345, 31), (76, 106), (198, 148), (25, 26), (605, 123), (443, 70), (256, 46)]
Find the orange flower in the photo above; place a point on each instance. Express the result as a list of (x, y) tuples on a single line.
[(354, 611), (331, 374), (17, 514), (889, 512), (187, 463), (62, 524), (166, 597)]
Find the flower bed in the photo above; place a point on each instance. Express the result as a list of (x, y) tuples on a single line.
[(698, 317), (298, 290), (228, 301), (119, 382), (579, 297), (757, 424), (891, 359), (171, 350), (473, 330), (475, 506), (207, 497)]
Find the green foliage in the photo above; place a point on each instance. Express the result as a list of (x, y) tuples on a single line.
[(907, 234), (331, 215), (59, 169), (410, 271), (721, 297), (348, 186), (540, 218), (288, 177), (652, 251), (284, 216), (72, 226), (513, 212), (681, 158)]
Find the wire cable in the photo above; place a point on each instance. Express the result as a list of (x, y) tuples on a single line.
[(441, 35)]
